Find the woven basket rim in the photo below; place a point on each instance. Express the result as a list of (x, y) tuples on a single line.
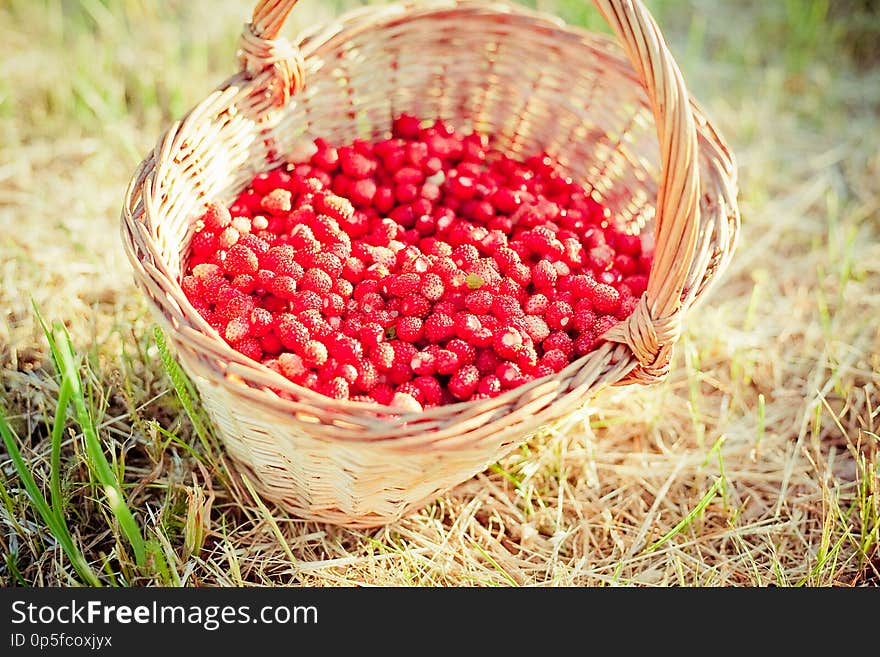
[(610, 358)]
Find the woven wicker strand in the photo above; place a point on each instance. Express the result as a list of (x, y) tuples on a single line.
[(620, 120)]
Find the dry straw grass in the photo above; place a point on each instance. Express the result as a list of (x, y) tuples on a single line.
[(756, 462)]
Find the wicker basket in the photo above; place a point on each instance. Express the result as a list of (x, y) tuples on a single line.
[(618, 119)]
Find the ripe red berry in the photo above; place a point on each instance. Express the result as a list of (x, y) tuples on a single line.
[(446, 361), (346, 349), (559, 315), (278, 201), (507, 342), (337, 388), (314, 353), (423, 363), (216, 217), (410, 329), (605, 298), (382, 356), (464, 382), (292, 333), (317, 281), (240, 260), (439, 327), (535, 327), (430, 388), (544, 275), (464, 350), (554, 359), (509, 375)]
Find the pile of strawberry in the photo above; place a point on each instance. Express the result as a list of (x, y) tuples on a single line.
[(415, 271)]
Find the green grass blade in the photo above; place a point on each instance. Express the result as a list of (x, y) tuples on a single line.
[(66, 360), (689, 518), (55, 523), (55, 461), (183, 388)]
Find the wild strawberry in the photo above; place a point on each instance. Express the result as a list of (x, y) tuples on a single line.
[(479, 301), (235, 305), (489, 385), (411, 389), (292, 366), (605, 298), (506, 342), (446, 361), (260, 322), (410, 329), (346, 349), (292, 333), (423, 363), (509, 375), (464, 350), (205, 243), (282, 260), (250, 347), (464, 382), (283, 287), (314, 353), (466, 326), (317, 281), (486, 361), (559, 315), (367, 375), (237, 330), (337, 388), (584, 343), (355, 165), (465, 255), (362, 192), (505, 308), (353, 270), (506, 258), (240, 260), (415, 305), (228, 237), (431, 287), (439, 327), (536, 304), (306, 300), (278, 201), (406, 126), (626, 308), (334, 206), (325, 157), (535, 327), (555, 359), (637, 284), (404, 284), (544, 275), (482, 337), (382, 356), (382, 394), (406, 402), (559, 340), (430, 389), (216, 217)]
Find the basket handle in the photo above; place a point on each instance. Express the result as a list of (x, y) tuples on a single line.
[(263, 52), (654, 325)]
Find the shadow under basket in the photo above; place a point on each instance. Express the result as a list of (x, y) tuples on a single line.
[(615, 114)]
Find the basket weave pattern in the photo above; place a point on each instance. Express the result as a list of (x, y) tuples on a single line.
[(618, 119)]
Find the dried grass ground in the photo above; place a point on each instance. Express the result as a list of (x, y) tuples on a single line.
[(755, 463)]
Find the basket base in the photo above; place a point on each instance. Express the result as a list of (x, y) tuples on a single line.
[(334, 516)]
